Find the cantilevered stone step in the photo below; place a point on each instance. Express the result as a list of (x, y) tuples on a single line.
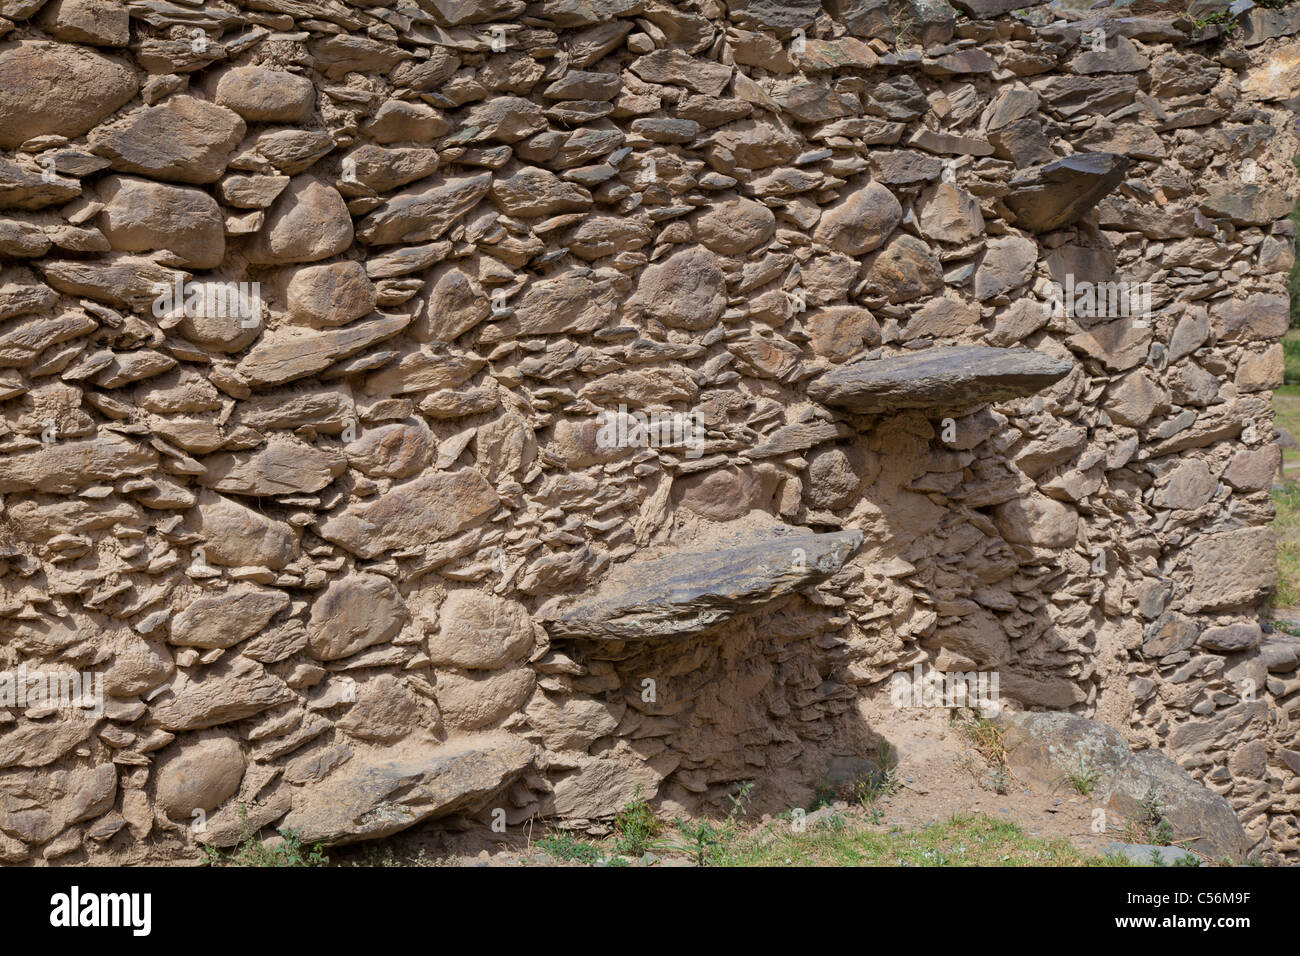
[(938, 377), (1053, 196), (688, 593)]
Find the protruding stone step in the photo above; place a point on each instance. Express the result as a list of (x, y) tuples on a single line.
[(939, 377), (1053, 196), (690, 593), (380, 793)]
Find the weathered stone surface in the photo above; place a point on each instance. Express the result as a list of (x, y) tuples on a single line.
[(224, 620), (734, 226), (949, 214), (235, 536), (905, 270), (198, 776), (67, 466), (1059, 193), (1230, 568), (423, 213), (939, 377), (475, 700), (354, 613), (480, 631), (1253, 470), (231, 690), (861, 221), (397, 450), (97, 22), (24, 185), (388, 791), (307, 222), (1200, 820), (143, 216), (1247, 205), (263, 95), (1045, 747), (1008, 263), (326, 296), (1037, 520), (56, 88), (1049, 746), (421, 511), (530, 192), (506, 337), (685, 291), (691, 593), (281, 467), (183, 139), (1254, 318), (290, 353)]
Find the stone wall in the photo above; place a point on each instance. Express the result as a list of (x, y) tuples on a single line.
[(330, 333)]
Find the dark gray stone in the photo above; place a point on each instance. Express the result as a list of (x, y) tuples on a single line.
[(1148, 854), (1198, 819), (1045, 748), (1169, 635), (691, 593), (1058, 194), (940, 377), (1246, 205), (778, 15), (1231, 638)]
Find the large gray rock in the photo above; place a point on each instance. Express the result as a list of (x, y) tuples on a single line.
[(690, 593), (1045, 748), (1053, 196), (939, 377), (1198, 818), (382, 793)]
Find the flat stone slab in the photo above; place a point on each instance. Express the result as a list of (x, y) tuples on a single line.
[(377, 794), (1148, 854), (690, 593), (939, 377), (1057, 194)]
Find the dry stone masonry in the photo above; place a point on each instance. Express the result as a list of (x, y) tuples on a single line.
[(472, 410)]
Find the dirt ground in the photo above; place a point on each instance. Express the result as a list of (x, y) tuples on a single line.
[(938, 772)]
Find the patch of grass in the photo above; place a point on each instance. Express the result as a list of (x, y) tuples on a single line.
[(868, 790), (712, 844), (251, 851), (1150, 825), (986, 737), (1225, 19), (568, 848), (635, 827), (1083, 780), (963, 840), (1286, 527), (1291, 358), (824, 794), (385, 856)]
